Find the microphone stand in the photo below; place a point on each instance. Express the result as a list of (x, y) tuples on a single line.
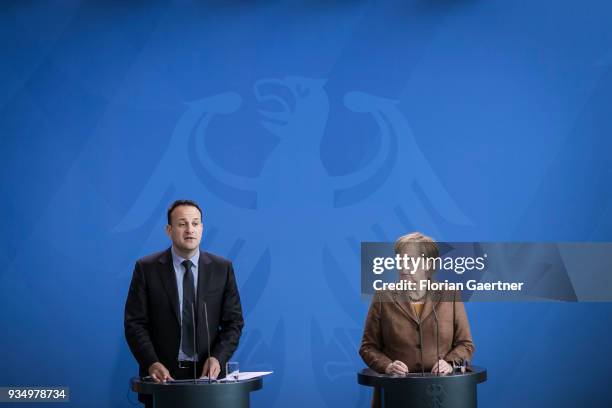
[(421, 348), (207, 339), (437, 337), (420, 338), (195, 346)]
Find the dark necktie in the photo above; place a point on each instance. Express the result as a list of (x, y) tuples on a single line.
[(187, 328)]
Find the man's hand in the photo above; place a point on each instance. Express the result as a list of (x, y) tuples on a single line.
[(397, 367), (445, 368), (212, 368), (159, 373)]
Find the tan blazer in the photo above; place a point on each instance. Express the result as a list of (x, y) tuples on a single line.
[(391, 331)]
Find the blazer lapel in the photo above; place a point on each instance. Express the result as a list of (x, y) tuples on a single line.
[(204, 281), (405, 307), (168, 277), (431, 299)]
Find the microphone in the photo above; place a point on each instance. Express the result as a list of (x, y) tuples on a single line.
[(433, 303), (195, 345), (207, 339)]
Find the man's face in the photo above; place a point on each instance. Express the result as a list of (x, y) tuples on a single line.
[(185, 229)]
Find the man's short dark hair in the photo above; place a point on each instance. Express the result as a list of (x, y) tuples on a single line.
[(178, 203)]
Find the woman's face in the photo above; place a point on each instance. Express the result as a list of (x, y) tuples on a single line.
[(416, 271)]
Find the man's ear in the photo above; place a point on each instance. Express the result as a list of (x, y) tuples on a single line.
[(168, 230)]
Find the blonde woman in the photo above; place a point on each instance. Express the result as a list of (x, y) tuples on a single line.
[(399, 336)]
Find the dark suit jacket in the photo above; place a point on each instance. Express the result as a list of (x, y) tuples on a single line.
[(152, 320)]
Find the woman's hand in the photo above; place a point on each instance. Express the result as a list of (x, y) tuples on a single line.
[(396, 368), (445, 368)]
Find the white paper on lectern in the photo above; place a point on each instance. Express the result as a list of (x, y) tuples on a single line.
[(252, 374), (241, 376)]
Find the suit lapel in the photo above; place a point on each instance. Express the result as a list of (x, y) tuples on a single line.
[(168, 277), (204, 281), (431, 299), (404, 306)]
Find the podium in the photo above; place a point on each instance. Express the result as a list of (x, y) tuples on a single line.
[(201, 394), (430, 390)]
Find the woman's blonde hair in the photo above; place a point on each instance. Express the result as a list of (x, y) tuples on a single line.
[(425, 245)]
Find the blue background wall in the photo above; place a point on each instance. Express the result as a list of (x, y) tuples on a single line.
[(302, 128)]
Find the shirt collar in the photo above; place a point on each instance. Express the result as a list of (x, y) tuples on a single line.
[(178, 260)]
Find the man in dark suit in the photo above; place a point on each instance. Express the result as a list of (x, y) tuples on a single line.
[(169, 291)]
